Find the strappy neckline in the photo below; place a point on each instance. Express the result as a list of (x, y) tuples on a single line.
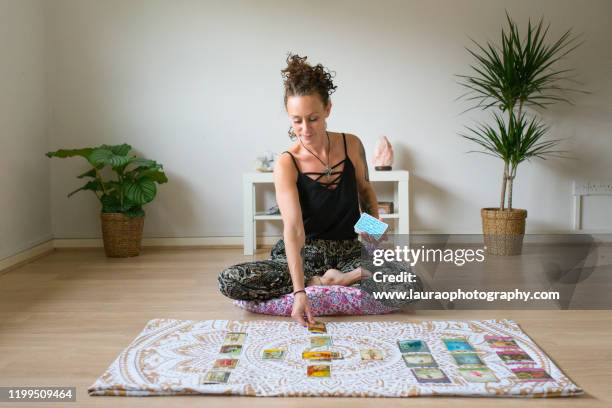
[(336, 181)]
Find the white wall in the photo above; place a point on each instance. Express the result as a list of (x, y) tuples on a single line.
[(196, 85), (24, 170)]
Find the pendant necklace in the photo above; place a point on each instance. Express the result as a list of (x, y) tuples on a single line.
[(328, 170)]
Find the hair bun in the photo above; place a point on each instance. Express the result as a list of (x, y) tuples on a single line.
[(300, 78)]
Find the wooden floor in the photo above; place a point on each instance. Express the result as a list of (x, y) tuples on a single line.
[(65, 317)]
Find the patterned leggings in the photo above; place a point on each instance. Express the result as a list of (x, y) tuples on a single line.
[(262, 280)]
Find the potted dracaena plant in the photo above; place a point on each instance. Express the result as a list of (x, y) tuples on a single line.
[(130, 184), (519, 74)]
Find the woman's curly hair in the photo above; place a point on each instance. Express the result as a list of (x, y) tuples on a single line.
[(300, 78)]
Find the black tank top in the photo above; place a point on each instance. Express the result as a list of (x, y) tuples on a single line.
[(329, 213)]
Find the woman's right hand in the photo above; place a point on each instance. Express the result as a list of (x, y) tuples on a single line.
[(301, 308)]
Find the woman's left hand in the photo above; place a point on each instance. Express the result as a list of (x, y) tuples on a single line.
[(372, 243), (367, 237)]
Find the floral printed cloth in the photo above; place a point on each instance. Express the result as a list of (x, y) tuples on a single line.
[(324, 301), (175, 357)]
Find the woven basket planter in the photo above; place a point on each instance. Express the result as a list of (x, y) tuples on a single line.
[(122, 235), (503, 230)]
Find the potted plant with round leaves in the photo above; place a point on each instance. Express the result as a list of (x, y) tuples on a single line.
[(518, 74), (123, 191)]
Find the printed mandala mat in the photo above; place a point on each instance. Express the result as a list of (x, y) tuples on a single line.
[(359, 359)]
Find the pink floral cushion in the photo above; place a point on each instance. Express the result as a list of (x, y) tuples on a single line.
[(324, 301)]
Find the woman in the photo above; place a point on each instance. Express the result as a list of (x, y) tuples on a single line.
[(321, 186)]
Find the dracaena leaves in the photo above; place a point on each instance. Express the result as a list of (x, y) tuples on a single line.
[(519, 70), (514, 140)]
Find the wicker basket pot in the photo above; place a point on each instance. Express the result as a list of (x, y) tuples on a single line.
[(122, 235), (503, 230)]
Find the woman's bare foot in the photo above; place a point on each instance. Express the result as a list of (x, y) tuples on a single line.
[(365, 274), (315, 281), (336, 277)]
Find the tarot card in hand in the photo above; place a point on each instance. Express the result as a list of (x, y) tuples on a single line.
[(215, 377), (464, 359), (457, 344), (430, 375), (231, 349), (274, 353), (531, 374), (515, 356), (320, 370), (501, 342), (371, 226), (234, 338), (478, 374), (412, 346), (226, 363), (419, 360), (317, 327), (320, 341), (371, 354)]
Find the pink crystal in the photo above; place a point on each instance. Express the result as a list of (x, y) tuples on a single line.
[(383, 154)]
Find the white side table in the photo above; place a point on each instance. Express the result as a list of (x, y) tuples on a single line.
[(400, 178)]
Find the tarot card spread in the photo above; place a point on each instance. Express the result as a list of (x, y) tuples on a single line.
[(473, 358)]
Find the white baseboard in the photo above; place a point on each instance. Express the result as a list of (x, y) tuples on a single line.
[(535, 238), (30, 254), (26, 256), (230, 242)]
